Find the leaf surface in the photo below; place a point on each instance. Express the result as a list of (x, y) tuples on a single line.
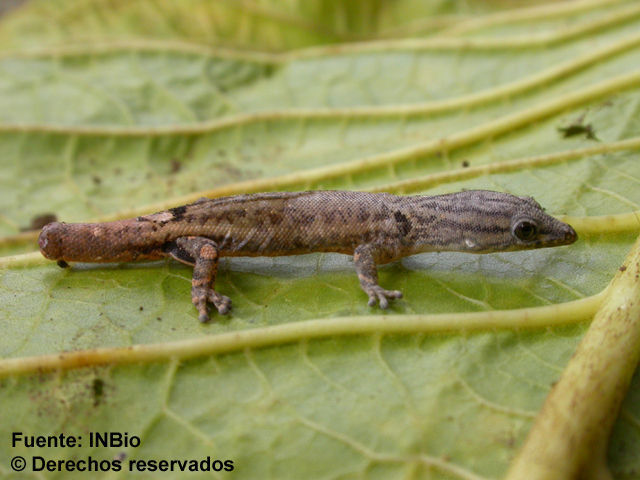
[(96, 123)]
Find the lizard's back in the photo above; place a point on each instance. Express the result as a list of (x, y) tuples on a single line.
[(283, 223)]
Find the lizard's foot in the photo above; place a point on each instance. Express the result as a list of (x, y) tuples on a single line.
[(222, 303), (199, 297), (378, 294)]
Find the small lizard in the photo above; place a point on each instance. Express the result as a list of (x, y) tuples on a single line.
[(375, 228)]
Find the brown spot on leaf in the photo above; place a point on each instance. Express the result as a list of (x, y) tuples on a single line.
[(40, 221), (176, 165), (578, 129), (97, 388)]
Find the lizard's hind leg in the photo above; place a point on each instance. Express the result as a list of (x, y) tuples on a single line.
[(204, 253)]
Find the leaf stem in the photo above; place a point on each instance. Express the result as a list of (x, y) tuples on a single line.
[(509, 90), (525, 318), (569, 438)]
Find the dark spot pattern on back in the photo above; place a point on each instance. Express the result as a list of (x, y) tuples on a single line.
[(275, 218), (404, 225), (178, 212)]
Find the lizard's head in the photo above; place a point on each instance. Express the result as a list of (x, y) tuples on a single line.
[(482, 221), (531, 227), (518, 223)]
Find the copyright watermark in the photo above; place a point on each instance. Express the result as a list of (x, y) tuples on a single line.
[(120, 440), (18, 463)]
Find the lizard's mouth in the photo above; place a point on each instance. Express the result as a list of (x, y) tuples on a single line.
[(567, 236)]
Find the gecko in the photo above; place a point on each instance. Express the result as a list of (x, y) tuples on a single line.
[(375, 228)]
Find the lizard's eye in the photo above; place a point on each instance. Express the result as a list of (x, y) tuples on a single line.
[(525, 230)]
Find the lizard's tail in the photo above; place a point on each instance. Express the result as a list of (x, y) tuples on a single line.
[(120, 241)]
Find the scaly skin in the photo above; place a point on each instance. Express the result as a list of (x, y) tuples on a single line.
[(375, 228)]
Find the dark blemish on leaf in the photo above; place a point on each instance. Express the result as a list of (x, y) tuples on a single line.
[(97, 387), (622, 268), (404, 225), (578, 129), (159, 319), (96, 180), (40, 221), (141, 308), (62, 264), (465, 164), (176, 165)]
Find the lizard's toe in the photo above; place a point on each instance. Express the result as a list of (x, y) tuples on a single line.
[(379, 295), (200, 302), (221, 302), (384, 303)]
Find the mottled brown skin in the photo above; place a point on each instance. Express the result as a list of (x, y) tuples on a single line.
[(375, 228)]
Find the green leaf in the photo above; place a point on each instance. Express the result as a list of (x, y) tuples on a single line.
[(113, 109)]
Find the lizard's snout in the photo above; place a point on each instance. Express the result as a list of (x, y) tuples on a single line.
[(570, 235)]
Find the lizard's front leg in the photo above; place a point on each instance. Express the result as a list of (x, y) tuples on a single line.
[(364, 260), (204, 253)]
